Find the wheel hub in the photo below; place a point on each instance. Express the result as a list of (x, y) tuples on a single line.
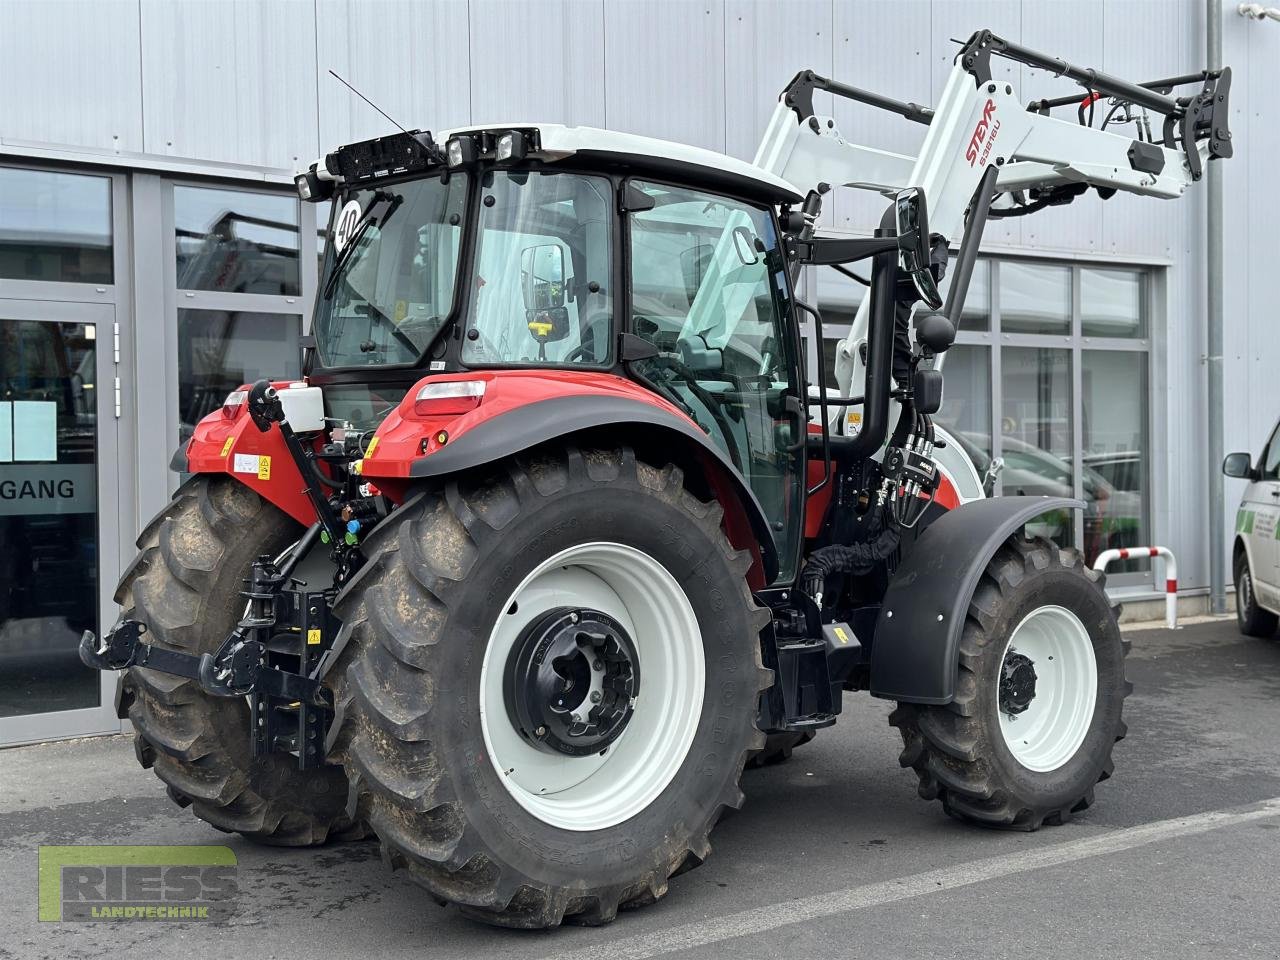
[(571, 681), (1017, 683)]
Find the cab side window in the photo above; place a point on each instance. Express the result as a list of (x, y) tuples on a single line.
[(708, 289)]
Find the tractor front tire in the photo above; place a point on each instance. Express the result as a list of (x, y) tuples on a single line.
[(185, 586), (462, 602), (1040, 688)]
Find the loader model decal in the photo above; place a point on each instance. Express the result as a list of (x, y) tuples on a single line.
[(985, 131)]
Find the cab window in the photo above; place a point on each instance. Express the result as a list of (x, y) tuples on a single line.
[(542, 292), (708, 289)]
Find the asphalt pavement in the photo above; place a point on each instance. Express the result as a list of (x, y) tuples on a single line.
[(833, 855)]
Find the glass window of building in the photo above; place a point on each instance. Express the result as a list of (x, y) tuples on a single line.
[(234, 241), (1035, 425), (975, 315), (220, 350), (55, 226), (966, 400), (48, 514), (1009, 393), (1112, 303), (1115, 445), (1034, 297)]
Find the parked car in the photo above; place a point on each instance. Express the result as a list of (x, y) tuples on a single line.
[(1256, 552)]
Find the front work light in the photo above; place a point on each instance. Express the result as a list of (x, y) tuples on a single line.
[(511, 148), (450, 398), (311, 187), (460, 151)]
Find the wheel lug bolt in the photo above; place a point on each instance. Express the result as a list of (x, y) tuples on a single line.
[(597, 665), (595, 696)]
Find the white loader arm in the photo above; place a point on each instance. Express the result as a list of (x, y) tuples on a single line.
[(979, 125)]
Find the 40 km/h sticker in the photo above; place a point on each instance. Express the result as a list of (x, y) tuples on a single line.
[(252, 463), (345, 228)]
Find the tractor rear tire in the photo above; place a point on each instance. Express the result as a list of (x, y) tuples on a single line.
[(1013, 755), (436, 628), (185, 586)]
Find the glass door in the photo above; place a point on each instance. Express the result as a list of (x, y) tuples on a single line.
[(59, 511)]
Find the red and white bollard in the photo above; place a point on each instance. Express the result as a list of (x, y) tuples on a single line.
[(1170, 574)]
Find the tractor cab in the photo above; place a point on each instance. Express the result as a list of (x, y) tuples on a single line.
[(581, 256)]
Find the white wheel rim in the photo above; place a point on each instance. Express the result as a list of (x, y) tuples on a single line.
[(601, 790), (1051, 729)]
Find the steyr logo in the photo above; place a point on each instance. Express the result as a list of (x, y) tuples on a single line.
[(985, 130)]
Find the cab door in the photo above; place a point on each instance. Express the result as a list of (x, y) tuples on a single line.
[(709, 290)]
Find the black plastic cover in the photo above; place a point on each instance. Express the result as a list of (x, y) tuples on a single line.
[(926, 391), (917, 635)]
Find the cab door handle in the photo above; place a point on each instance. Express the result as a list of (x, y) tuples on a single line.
[(794, 410)]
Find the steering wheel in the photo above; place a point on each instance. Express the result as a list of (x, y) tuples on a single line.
[(677, 366)]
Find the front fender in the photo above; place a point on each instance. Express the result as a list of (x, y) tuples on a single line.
[(917, 635)]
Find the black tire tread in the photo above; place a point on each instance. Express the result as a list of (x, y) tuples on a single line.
[(942, 743), (397, 783), (210, 522)]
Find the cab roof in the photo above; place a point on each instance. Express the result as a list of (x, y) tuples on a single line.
[(647, 155)]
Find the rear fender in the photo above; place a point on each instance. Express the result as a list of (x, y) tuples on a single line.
[(524, 409), (261, 461), (917, 636)]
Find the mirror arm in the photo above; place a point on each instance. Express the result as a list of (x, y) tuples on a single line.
[(968, 256), (827, 251)]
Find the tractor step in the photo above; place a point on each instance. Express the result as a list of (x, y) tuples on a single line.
[(811, 675)]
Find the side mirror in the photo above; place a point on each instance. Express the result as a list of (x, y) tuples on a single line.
[(1238, 465), (914, 244), (542, 276)]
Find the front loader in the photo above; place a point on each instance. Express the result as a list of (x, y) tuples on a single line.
[(554, 537)]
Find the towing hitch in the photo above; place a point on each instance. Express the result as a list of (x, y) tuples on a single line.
[(275, 657)]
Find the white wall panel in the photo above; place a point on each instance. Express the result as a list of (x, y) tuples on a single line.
[(412, 59), (885, 48), (537, 60), (229, 81), (664, 69), (1074, 32), (1254, 404), (766, 44), (70, 73)]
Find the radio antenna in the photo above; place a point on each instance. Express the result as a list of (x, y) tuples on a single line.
[(333, 74)]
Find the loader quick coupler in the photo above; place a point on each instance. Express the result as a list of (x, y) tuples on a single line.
[(571, 681), (274, 657)]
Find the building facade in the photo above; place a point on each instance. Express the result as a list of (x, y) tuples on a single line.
[(153, 254)]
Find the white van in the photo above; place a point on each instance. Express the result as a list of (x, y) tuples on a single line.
[(1256, 553)]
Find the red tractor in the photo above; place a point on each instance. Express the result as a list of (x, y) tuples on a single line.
[(554, 537)]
